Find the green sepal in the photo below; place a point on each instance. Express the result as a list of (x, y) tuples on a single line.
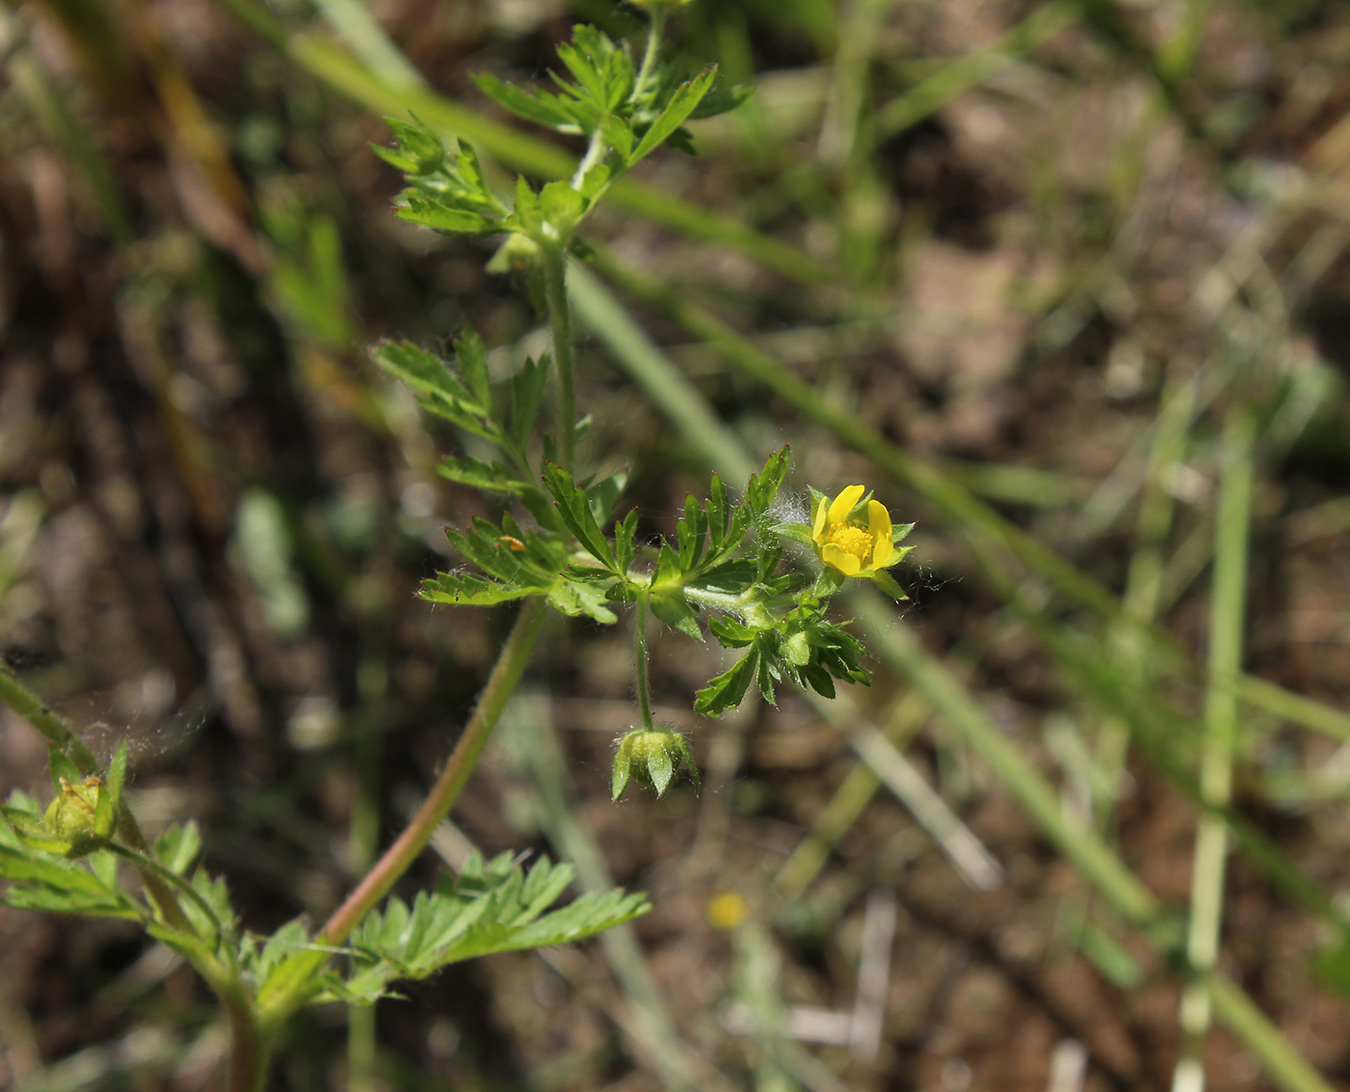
[(886, 582), (828, 581), (62, 768), (652, 756)]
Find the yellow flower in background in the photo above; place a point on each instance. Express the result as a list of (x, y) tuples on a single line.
[(727, 910), (848, 546)]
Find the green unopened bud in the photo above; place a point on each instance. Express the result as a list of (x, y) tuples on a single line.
[(517, 253), (653, 756), (81, 815)]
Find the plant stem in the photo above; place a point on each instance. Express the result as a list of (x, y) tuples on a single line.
[(57, 731), (560, 322), (148, 864), (653, 48), (248, 1056), (640, 660), (396, 859), (594, 151)]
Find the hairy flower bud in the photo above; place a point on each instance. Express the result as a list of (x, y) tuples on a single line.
[(81, 814), (653, 756)]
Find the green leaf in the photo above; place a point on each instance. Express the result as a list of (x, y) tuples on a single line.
[(668, 568), (37, 881), (291, 937), (818, 679), (527, 215), (440, 215), (730, 633), (540, 107), (625, 532), (465, 590), (763, 487), (574, 597), (766, 676), (686, 98), (527, 389), (617, 132), (673, 609), (719, 514), (473, 364), (470, 173), (477, 474), (604, 495), (727, 689), (691, 532), (178, 847), (575, 510), (562, 207), (439, 391), (489, 908), (420, 150), (721, 99)]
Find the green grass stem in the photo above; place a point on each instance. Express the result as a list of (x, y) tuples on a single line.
[(1227, 613), (848, 803), (965, 73)]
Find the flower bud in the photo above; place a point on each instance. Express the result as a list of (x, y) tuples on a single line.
[(81, 814), (653, 756)]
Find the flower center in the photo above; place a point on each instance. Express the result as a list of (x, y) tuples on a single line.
[(852, 538)]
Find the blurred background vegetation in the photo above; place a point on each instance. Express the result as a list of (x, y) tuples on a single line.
[(1067, 283)]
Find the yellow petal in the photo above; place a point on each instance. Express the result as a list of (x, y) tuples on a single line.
[(818, 530), (843, 504), (878, 521), (879, 526), (832, 555)]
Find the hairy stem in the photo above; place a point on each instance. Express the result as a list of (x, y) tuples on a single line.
[(146, 863), (500, 686), (53, 727), (560, 322), (640, 660), (649, 57), (248, 1056)]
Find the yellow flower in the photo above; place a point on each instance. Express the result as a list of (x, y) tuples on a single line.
[(848, 546), (727, 910)]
